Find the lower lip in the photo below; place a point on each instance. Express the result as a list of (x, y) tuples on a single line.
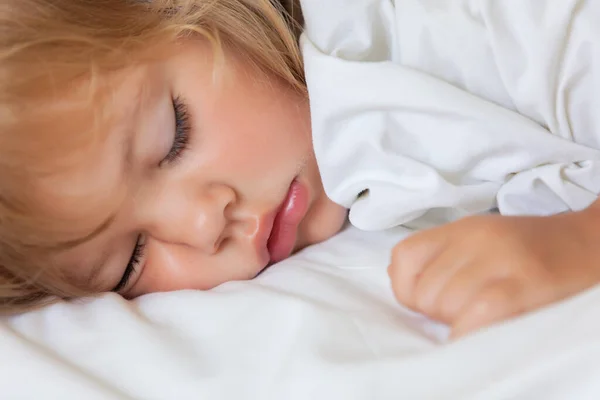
[(285, 227)]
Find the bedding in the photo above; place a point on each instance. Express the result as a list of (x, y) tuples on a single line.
[(459, 105), (321, 325)]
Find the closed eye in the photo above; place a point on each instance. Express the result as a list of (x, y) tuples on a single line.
[(182, 132), (134, 262)]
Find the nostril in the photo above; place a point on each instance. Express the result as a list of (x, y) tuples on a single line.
[(229, 209), (219, 245), (216, 246)]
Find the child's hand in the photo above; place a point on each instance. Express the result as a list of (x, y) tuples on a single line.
[(485, 269)]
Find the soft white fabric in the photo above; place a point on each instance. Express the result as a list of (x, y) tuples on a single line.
[(322, 325), (459, 104)]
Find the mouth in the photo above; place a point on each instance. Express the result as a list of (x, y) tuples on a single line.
[(289, 215), (280, 228)]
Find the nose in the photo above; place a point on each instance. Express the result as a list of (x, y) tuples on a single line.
[(213, 217), (201, 220)]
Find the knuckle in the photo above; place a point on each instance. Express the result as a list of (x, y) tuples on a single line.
[(396, 289), (392, 269), (400, 250), (395, 276), (413, 248), (449, 308), (400, 293), (504, 271), (485, 228), (422, 298), (530, 269), (493, 301)]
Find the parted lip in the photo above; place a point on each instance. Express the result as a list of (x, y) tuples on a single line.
[(277, 229)]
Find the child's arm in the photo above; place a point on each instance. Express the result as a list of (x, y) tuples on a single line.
[(484, 269)]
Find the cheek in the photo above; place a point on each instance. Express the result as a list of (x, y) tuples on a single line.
[(172, 267), (255, 135), (169, 269), (242, 155), (324, 218), (328, 223)]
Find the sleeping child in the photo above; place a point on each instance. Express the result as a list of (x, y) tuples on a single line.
[(160, 145)]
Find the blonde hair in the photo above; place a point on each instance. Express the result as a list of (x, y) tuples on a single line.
[(45, 45)]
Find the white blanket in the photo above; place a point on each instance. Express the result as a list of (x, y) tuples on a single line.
[(322, 325), (455, 104)]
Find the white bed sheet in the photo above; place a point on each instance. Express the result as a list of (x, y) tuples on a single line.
[(321, 325)]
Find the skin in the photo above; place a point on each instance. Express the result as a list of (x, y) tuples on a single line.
[(200, 216)]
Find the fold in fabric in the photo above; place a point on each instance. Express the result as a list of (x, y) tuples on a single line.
[(459, 105)]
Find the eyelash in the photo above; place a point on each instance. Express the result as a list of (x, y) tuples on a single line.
[(180, 144), (134, 261), (182, 132)]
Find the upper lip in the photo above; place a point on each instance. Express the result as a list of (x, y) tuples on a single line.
[(265, 228)]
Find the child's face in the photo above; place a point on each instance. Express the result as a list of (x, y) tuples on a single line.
[(205, 213)]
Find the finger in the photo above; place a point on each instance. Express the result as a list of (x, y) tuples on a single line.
[(498, 301), (435, 277), (409, 258)]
